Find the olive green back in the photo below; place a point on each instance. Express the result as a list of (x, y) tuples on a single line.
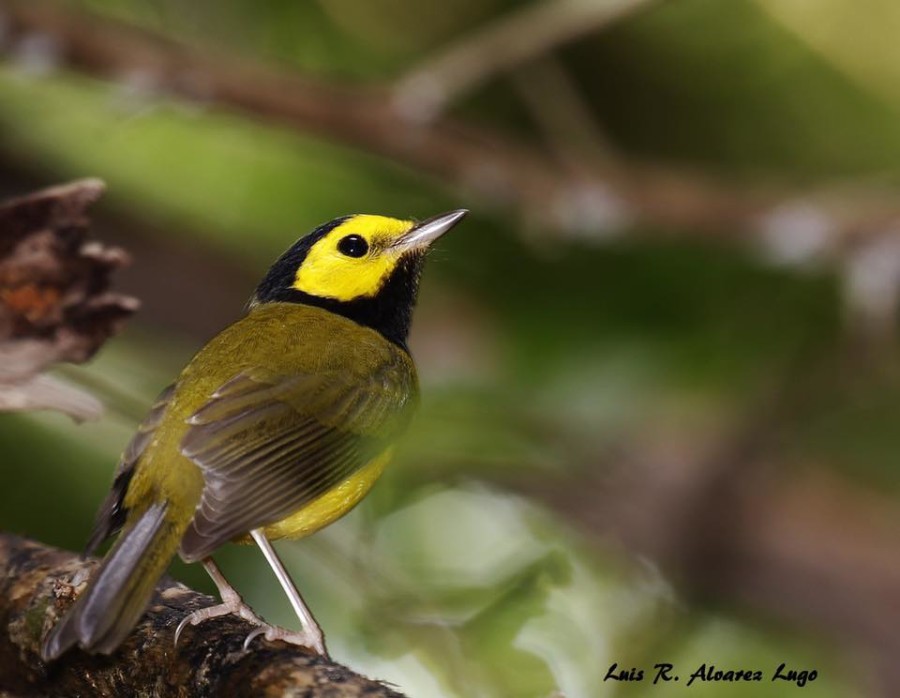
[(277, 409)]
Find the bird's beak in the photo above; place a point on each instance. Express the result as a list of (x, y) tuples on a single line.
[(421, 235)]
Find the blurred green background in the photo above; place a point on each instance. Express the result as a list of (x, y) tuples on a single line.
[(553, 356)]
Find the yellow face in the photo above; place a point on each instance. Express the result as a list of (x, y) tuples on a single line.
[(365, 268), (354, 259)]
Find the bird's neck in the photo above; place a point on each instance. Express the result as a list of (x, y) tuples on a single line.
[(388, 312)]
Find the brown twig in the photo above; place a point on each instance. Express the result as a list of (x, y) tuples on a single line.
[(517, 37), (37, 584)]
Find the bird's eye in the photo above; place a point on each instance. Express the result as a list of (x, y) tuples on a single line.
[(353, 246)]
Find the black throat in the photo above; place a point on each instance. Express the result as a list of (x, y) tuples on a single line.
[(388, 312)]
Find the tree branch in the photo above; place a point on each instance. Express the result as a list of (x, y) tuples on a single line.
[(599, 199), (38, 583)]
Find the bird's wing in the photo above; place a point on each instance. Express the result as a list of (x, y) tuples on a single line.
[(268, 446), (111, 515)]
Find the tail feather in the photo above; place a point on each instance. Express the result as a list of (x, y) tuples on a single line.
[(120, 590)]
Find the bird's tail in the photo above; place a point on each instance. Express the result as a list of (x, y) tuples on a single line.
[(120, 590)]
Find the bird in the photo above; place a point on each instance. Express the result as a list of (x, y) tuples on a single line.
[(276, 428)]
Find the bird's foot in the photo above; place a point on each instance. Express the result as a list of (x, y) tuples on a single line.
[(308, 639), (233, 604)]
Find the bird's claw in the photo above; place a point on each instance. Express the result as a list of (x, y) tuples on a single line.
[(252, 635), (181, 626), (308, 640), (236, 606), (232, 604)]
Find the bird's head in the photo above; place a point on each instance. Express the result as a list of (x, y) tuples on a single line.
[(363, 267)]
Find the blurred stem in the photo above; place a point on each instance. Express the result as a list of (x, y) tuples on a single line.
[(560, 110), (485, 164), (127, 404), (517, 37)]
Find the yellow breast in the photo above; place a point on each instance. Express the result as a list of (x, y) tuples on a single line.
[(330, 506)]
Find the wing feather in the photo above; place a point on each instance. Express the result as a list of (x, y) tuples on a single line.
[(267, 446), (111, 515)]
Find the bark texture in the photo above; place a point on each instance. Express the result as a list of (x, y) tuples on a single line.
[(37, 585)]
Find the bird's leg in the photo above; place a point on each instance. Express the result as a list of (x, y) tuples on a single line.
[(311, 634), (233, 604)]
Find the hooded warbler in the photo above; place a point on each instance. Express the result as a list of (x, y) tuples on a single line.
[(276, 428)]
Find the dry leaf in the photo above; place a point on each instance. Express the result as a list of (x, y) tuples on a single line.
[(55, 303)]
